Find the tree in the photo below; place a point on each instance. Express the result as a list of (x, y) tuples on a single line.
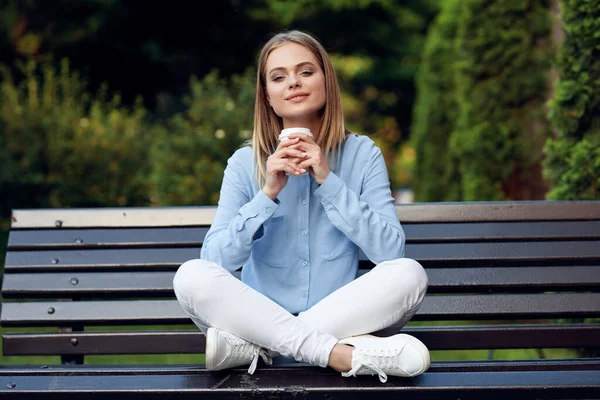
[(572, 163), (435, 173), (149, 50), (142, 49), (499, 71)]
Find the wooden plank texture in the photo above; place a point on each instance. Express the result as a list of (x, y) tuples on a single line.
[(203, 215), (41, 239), (430, 254), (304, 383), (508, 336), (80, 284), (440, 307)]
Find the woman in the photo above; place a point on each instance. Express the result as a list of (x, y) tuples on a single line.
[(294, 214)]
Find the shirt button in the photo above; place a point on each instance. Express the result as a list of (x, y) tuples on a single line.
[(305, 263), (304, 201), (303, 232), (268, 209)]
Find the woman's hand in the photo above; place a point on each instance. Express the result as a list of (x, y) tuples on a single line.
[(314, 160), (286, 159)]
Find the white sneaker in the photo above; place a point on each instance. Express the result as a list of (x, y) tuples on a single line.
[(398, 355), (225, 350)]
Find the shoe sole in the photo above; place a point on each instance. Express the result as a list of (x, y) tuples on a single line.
[(211, 339)]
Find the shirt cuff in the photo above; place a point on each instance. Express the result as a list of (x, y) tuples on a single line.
[(260, 209), (330, 188)]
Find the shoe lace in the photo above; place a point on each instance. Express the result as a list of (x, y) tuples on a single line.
[(376, 361), (263, 354), (243, 349)]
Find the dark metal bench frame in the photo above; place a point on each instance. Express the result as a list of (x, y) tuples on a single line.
[(527, 264)]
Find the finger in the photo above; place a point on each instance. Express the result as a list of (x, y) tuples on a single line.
[(302, 137), (296, 161), (308, 147), (287, 152), (293, 153), (293, 169), (288, 143), (310, 163), (285, 165)]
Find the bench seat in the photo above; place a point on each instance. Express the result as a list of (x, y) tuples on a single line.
[(444, 380), (502, 275)]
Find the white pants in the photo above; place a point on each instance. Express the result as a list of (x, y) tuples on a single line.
[(385, 297)]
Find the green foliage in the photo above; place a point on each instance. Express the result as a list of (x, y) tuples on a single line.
[(575, 167), (484, 97), (190, 156), (64, 147), (572, 164), (501, 82), (162, 50), (435, 174)]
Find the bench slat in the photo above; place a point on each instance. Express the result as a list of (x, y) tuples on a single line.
[(112, 217), (302, 382), (283, 364), (192, 341), (91, 238), (203, 215), (122, 259), (519, 306), (193, 236), (441, 280), (501, 231), (584, 252)]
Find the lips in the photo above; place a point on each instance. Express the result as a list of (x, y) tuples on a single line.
[(297, 96)]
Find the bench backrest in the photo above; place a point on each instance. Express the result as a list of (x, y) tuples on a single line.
[(536, 262)]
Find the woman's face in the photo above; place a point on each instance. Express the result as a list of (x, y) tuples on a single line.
[(295, 85)]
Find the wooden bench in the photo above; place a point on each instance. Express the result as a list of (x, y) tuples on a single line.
[(526, 273)]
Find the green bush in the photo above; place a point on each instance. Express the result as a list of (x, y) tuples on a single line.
[(572, 165), (68, 148), (190, 155), (64, 147)]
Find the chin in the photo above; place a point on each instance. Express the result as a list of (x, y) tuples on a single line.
[(305, 113)]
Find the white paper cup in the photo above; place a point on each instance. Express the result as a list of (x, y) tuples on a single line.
[(288, 131)]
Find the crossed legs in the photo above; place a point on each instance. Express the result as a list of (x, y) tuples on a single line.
[(382, 300)]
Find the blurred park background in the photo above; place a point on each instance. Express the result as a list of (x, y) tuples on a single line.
[(139, 103)]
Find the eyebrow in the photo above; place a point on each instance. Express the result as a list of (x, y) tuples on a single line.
[(302, 64)]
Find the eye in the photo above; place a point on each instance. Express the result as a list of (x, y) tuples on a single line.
[(306, 73), (277, 78)]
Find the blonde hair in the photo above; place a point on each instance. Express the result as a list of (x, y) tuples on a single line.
[(267, 124)]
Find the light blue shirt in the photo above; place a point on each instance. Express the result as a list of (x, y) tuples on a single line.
[(305, 245)]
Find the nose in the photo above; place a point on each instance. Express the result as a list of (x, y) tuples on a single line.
[(293, 80)]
